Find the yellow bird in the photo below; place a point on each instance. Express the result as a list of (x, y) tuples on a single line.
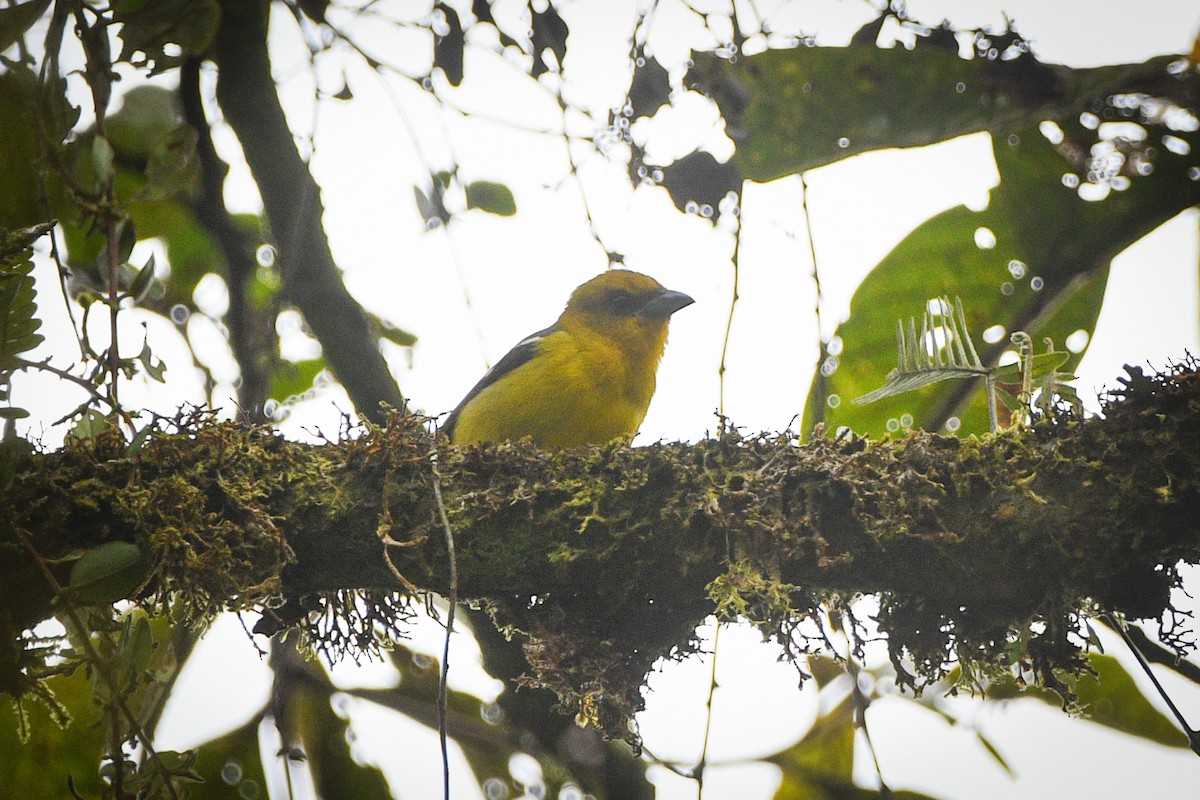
[(587, 379)]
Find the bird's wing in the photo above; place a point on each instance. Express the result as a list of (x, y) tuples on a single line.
[(521, 353)]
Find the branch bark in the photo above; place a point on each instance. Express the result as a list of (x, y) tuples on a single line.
[(247, 95), (609, 557)]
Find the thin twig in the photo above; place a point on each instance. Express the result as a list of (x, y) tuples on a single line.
[(1193, 735), (698, 773), (820, 378), (733, 301), (452, 599)]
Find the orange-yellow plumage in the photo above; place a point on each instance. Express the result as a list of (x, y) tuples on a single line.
[(587, 379)]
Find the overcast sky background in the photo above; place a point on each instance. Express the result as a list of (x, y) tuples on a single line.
[(473, 290)]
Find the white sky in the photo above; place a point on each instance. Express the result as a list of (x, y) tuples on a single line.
[(518, 271)]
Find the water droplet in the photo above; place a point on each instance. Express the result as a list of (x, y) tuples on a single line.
[(892, 425), (231, 772), (1070, 180), (706, 211), (657, 176), (1007, 289), (491, 713), (1089, 120), (1013, 140), (1193, 173), (993, 334), (1077, 341), (265, 255), (960, 87), (1016, 268), (1178, 66), (1144, 168), (495, 789), (833, 401), (248, 790), (984, 238), (639, 61), (906, 420), (433, 223), (1120, 183), (843, 142), (806, 87), (270, 408), (627, 111), (1037, 283), (691, 207), (426, 83), (438, 23), (180, 313), (1050, 129), (642, 172), (953, 424), (570, 791), (829, 366), (1094, 192), (834, 348), (421, 661), (992, 53)]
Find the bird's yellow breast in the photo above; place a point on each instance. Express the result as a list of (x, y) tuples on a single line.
[(581, 388)]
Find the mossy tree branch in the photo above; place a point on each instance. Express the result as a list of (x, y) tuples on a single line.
[(609, 557)]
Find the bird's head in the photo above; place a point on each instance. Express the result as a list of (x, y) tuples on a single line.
[(621, 303)]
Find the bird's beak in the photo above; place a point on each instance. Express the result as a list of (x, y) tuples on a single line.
[(666, 303)]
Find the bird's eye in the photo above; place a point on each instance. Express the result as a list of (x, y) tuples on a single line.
[(620, 301)]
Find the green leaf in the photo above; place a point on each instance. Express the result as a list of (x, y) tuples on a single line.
[(1034, 239), (827, 749), (15, 21), (54, 752), (1043, 365), (1112, 698), (173, 168), (147, 115), (494, 198), (13, 412), (107, 573), (922, 361), (90, 427), (155, 368), (995, 754), (149, 27), (18, 296), (103, 157), (804, 107), (292, 378), (141, 283), (231, 766), (21, 99), (398, 336)]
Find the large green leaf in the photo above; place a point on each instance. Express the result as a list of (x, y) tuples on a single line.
[(1111, 698), (42, 766), (1035, 227), (22, 99), (16, 20), (231, 766), (794, 109)]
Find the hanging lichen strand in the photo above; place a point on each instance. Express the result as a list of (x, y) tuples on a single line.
[(987, 551)]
